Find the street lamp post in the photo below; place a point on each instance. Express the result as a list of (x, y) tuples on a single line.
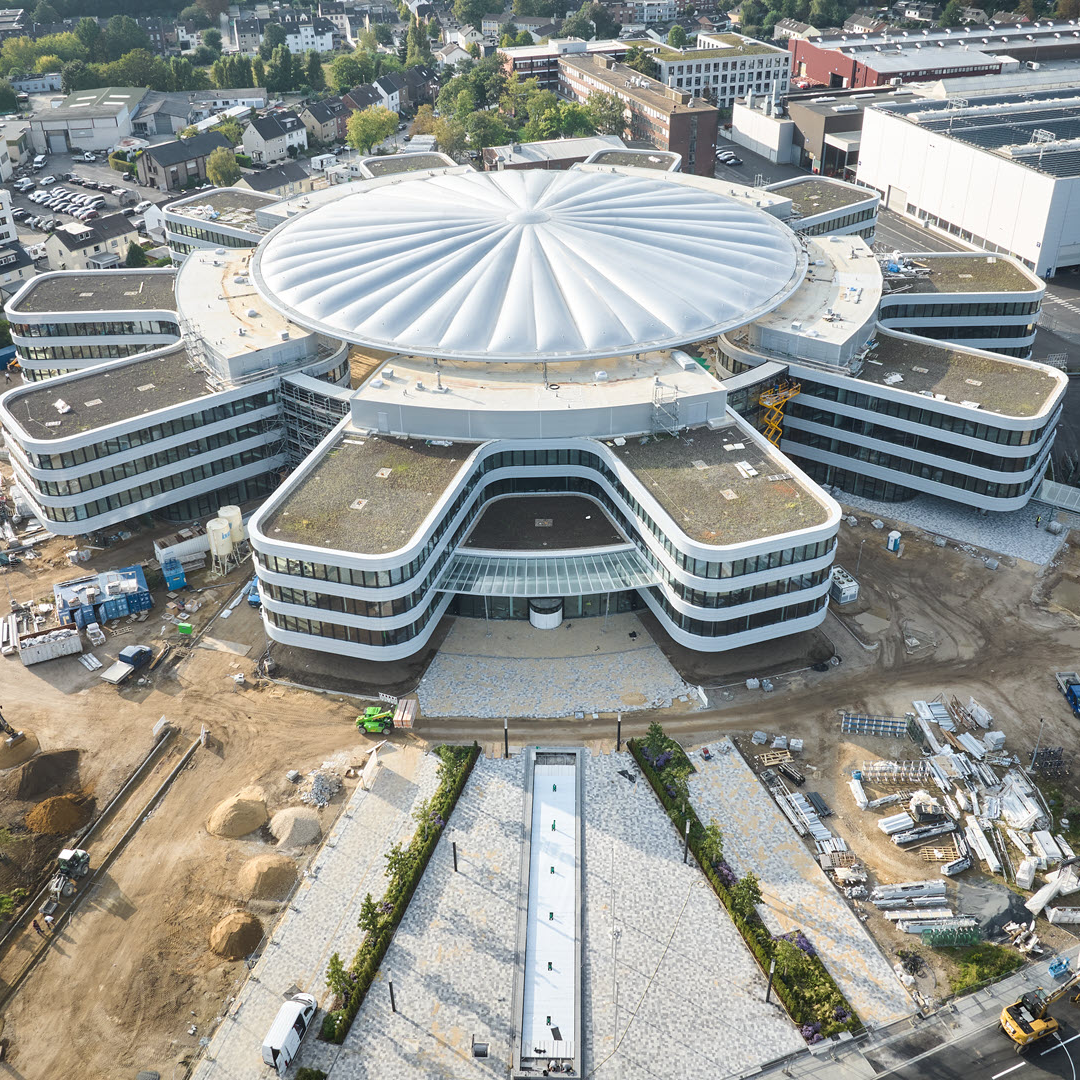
[(390, 982), (858, 561)]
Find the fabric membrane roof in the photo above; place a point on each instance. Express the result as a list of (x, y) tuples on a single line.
[(528, 265), (546, 575)]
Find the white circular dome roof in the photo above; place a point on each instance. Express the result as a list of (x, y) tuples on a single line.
[(529, 265)]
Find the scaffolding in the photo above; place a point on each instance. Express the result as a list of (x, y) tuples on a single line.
[(665, 408), (773, 401), (309, 415), (895, 773)]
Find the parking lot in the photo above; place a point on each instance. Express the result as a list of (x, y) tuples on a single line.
[(59, 165)]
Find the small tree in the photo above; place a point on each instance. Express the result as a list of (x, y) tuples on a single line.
[(135, 255), (221, 167), (677, 37), (314, 75), (746, 894), (212, 39), (607, 113), (655, 740), (424, 121), (368, 127), (398, 862), (338, 979), (712, 843), (370, 917)]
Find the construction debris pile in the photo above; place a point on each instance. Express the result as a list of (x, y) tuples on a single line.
[(967, 801), (322, 784), (921, 907)]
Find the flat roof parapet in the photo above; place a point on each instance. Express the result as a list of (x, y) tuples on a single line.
[(968, 377), (723, 486), (88, 292), (106, 394), (819, 195), (959, 272), (367, 494)]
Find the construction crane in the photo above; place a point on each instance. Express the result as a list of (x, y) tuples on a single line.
[(773, 401), (1027, 1021)]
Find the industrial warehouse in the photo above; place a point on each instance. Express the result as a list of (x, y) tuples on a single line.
[(651, 373)]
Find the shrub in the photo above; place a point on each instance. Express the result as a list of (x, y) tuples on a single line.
[(243, 160), (120, 164), (405, 867), (308, 1073), (801, 982)]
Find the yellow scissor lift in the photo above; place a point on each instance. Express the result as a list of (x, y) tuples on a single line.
[(773, 401)]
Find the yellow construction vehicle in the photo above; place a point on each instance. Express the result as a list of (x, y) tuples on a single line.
[(773, 401), (1027, 1021)]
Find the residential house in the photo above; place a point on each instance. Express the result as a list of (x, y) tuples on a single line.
[(360, 98), (96, 246), (170, 166), (16, 148), (188, 36), (792, 28), (16, 268), (290, 178), (974, 16), (422, 84), (159, 31), (913, 11), (36, 84), (1010, 18), (247, 35), (162, 114), (393, 91), (866, 24), (326, 121), (468, 35), (317, 34), (450, 54), (269, 138)]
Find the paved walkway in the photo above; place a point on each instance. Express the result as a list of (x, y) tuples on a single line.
[(1009, 533), (658, 941), (509, 668), (797, 894), (452, 958), (321, 918)]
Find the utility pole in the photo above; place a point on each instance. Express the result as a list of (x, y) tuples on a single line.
[(618, 731), (1038, 742), (686, 841), (506, 737), (772, 972), (390, 981), (453, 847)]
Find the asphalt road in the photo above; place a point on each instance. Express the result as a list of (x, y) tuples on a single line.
[(989, 1055)]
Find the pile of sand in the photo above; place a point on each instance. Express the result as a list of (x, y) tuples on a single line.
[(296, 826), (60, 814), (266, 877), (236, 936), (239, 815), (49, 770)]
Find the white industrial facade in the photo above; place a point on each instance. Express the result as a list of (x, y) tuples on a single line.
[(602, 335), (1000, 172)]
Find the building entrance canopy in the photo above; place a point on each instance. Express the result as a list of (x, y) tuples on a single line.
[(546, 575)]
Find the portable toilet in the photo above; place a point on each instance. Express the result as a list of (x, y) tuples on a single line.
[(893, 541), (173, 571)]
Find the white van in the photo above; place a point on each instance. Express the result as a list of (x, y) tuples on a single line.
[(282, 1042), (40, 162)]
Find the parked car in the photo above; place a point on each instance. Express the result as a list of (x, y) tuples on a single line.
[(141, 208), (119, 192), (45, 181), (25, 184), (40, 162), (733, 161), (87, 157)]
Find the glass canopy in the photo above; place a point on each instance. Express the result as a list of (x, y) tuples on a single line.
[(546, 575)]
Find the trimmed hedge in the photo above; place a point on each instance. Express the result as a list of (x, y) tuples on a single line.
[(458, 762), (810, 995), (120, 164)]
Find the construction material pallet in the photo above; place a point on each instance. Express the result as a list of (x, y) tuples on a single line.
[(939, 852), (886, 727), (774, 757)]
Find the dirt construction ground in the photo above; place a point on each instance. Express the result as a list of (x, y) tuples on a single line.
[(124, 984)]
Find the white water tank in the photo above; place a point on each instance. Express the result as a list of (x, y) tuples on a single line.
[(220, 540), (236, 523)]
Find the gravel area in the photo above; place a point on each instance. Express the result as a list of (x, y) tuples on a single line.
[(508, 668), (1013, 533)]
